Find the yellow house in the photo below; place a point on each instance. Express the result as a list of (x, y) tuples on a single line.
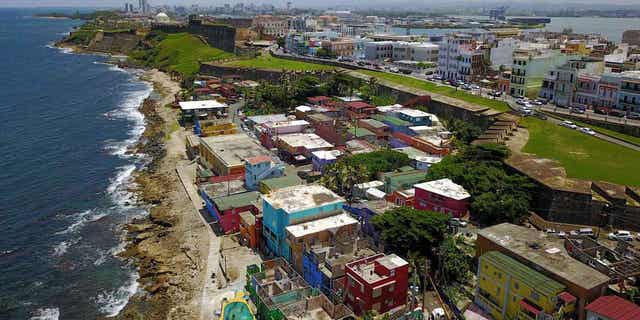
[(207, 128), (509, 289)]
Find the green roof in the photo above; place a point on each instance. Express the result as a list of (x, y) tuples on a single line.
[(360, 132), (403, 180), (393, 120), (236, 200), (533, 279), (282, 182)]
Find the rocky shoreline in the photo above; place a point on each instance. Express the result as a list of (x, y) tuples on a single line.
[(169, 246)]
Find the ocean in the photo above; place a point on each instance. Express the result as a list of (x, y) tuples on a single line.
[(67, 121), (612, 28)]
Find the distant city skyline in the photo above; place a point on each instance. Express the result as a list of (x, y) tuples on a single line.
[(372, 4)]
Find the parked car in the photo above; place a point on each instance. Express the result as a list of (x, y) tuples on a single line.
[(588, 131), (540, 101), (633, 116), (602, 110), (475, 87), (527, 111), (466, 87), (576, 110), (616, 113), (437, 314), (496, 93), (561, 234), (458, 222), (550, 231), (587, 232), (574, 233), (620, 235), (521, 102), (568, 124)]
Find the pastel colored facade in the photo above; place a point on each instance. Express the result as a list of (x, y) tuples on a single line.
[(301, 144), (629, 94), (381, 130), (548, 257), (364, 212), (405, 198), (320, 159), (294, 205), (250, 229), (560, 83), (333, 230), (225, 154), (206, 128), (271, 130), (260, 168), (530, 68), (416, 117), (460, 58), (507, 289), (226, 210), (415, 51), (271, 27), (442, 196), (378, 50), (340, 47), (378, 283)]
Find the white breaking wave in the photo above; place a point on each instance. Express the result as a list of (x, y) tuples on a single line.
[(82, 219), (46, 314), (111, 303)]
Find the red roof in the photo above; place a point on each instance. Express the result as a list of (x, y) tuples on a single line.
[(529, 307), (615, 308), (318, 99), (566, 297), (258, 159), (359, 105)]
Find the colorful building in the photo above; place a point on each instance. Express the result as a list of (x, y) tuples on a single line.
[(507, 289), (442, 196), (273, 184), (334, 230), (402, 180), (378, 283), (225, 154), (260, 168), (271, 130), (250, 229), (301, 144), (226, 210), (320, 159), (294, 205), (381, 130), (365, 211), (404, 198), (215, 127), (629, 93), (359, 109), (547, 255), (279, 293), (415, 117)]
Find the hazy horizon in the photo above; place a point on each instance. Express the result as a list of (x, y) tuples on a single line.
[(372, 4)]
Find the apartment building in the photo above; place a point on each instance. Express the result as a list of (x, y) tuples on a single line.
[(460, 58), (378, 50), (271, 27), (560, 83), (530, 68), (342, 47), (415, 51), (629, 94)]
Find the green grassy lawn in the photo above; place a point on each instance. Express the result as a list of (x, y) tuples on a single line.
[(183, 52), (582, 156), (444, 90), (615, 134), (266, 61)]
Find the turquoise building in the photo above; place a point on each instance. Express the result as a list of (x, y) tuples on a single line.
[(294, 205), (260, 168)]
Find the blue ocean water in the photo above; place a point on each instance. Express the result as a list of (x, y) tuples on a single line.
[(66, 121)]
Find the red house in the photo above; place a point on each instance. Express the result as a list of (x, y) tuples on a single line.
[(612, 308), (359, 110), (402, 197), (442, 196), (318, 100), (226, 210), (377, 283)]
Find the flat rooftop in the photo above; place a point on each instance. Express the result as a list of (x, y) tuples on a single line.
[(301, 197), (315, 226), (288, 123), (444, 187), (414, 113), (232, 149), (327, 154), (547, 172), (308, 140), (545, 251), (204, 104), (367, 269), (267, 118)]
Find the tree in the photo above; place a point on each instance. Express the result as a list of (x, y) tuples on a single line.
[(454, 264), (496, 195), (463, 131), (405, 230)]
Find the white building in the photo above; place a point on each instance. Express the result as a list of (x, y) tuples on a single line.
[(460, 58), (415, 51), (378, 50), (502, 53)]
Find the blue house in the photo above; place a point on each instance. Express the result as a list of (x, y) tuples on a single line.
[(260, 168), (364, 212), (294, 205), (416, 117), (322, 158)]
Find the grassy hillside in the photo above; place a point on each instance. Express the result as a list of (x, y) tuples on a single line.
[(181, 52), (440, 89), (582, 156), (266, 61)]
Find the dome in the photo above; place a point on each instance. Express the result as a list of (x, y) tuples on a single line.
[(162, 17)]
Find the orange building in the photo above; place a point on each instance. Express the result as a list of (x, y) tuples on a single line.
[(250, 229)]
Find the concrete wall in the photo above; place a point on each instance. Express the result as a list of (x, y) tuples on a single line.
[(218, 36)]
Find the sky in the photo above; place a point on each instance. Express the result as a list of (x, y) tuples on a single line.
[(325, 3)]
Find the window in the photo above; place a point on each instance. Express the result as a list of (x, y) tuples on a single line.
[(535, 296)]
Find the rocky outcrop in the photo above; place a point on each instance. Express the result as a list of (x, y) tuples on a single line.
[(114, 42)]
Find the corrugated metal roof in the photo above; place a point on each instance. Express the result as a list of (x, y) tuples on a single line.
[(236, 200), (615, 308), (533, 279)]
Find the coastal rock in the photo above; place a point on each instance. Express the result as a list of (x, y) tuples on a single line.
[(139, 227), (143, 236)]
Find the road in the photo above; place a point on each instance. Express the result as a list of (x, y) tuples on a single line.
[(589, 114)]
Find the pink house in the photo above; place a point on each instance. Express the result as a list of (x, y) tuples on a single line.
[(442, 196)]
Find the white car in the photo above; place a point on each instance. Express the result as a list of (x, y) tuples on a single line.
[(588, 131), (475, 87), (568, 124), (620, 235), (458, 222), (561, 234)]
